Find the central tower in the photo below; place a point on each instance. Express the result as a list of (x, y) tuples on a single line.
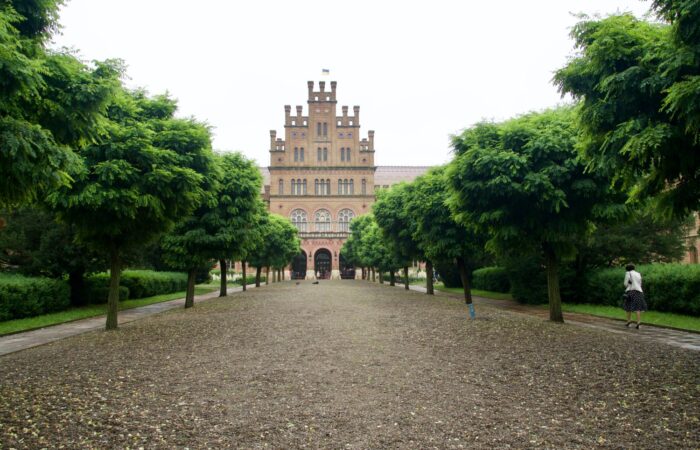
[(321, 176)]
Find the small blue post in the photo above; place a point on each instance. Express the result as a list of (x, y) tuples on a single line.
[(472, 313)]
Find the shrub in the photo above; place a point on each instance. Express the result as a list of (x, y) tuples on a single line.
[(22, 296), (145, 283), (493, 279), (448, 274), (667, 287), (97, 290), (250, 279), (528, 280)]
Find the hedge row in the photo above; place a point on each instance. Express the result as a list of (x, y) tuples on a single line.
[(493, 279), (22, 296), (250, 279), (667, 287), (138, 284)]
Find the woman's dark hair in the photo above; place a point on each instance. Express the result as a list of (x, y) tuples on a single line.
[(629, 267)]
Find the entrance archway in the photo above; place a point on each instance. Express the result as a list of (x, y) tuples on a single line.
[(299, 266), (347, 270), (322, 263)]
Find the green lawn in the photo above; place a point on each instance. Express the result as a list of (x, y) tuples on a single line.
[(476, 292), (31, 323), (650, 317)]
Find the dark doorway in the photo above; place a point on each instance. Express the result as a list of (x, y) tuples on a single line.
[(299, 266), (347, 270), (322, 264)]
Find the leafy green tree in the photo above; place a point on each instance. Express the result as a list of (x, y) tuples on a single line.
[(50, 103), (34, 243), (639, 87), (397, 225), (236, 214), (137, 181), (440, 237), (527, 187), (277, 245)]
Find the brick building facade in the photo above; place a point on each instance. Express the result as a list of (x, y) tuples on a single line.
[(321, 175)]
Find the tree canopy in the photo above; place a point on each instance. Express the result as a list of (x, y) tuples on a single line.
[(527, 186), (639, 89)]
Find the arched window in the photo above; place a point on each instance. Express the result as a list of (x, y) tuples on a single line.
[(319, 154), (296, 154), (342, 153), (281, 188), (294, 186), (364, 187), (316, 186), (301, 154), (304, 191), (325, 154), (347, 154), (323, 220), (318, 128), (328, 186), (340, 186), (299, 220), (344, 218), (352, 187), (325, 128)]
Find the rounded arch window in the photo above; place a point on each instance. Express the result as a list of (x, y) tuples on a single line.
[(344, 218), (299, 219), (323, 220)]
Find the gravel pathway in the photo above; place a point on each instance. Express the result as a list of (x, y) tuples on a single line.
[(346, 364)]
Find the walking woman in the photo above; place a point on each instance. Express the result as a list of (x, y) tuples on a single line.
[(634, 299)]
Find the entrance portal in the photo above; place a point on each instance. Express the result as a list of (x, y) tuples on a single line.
[(347, 270), (322, 264), (299, 266)]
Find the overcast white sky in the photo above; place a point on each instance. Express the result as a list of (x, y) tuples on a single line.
[(420, 71)]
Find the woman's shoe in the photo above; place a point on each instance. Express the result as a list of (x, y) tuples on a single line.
[(628, 324), (638, 325)]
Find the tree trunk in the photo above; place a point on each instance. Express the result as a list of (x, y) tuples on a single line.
[(258, 272), (282, 272), (76, 281), (224, 268), (464, 277), (115, 272), (429, 288), (363, 273), (552, 261), (392, 278), (267, 275), (405, 277), (374, 275), (245, 279), (189, 296), (381, 277)]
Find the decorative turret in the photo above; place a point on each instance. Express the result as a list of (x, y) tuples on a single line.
[(356, 111), (370, 134), (273, 135), (287, 112)]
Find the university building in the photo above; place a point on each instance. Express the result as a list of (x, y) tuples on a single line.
[(322, 175)]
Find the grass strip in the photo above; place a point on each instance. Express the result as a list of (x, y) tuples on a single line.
[(664, 319), (83, 312)]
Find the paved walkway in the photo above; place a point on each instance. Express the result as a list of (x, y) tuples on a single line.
[(20, 341), (676, 338)]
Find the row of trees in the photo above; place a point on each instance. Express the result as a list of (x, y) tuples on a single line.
[(115, 166), (548, 183)]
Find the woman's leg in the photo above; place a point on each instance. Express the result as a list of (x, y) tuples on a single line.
[(629, 316), (639, 317)]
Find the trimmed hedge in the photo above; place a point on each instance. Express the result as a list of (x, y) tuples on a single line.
[(493, 279), (140, 283), (97, 290), (667, 287), (22, 296), (250, 279)]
